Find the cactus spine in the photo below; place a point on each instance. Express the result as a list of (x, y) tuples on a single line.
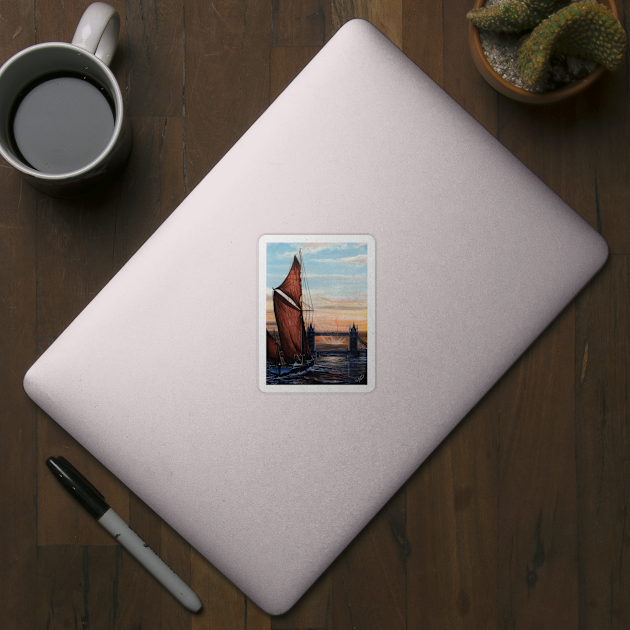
[(583, 29), (513, 16)]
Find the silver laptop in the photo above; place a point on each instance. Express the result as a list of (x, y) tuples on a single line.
[(317, 315)]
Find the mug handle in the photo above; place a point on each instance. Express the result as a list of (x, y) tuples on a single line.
[(98, 30)]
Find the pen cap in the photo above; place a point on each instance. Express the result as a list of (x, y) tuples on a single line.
[(78, 486)]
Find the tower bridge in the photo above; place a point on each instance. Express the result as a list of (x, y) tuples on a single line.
[(354, 342)]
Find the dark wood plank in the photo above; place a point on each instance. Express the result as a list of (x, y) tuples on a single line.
[(609, 136), (57, 22), (452, 527), (386, 15), (537, 538), (422, 36), (76, 587), (154, 57), (17, 27), (603, 444), (303, 23), (608, 126), (226, 78), (369, 588), (461, 78), (558, 147), (18, 416)]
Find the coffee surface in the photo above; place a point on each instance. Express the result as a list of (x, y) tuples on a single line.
[(62, 124)]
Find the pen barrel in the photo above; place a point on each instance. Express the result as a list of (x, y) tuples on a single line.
[(149, 559)]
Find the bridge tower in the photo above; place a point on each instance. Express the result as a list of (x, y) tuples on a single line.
[(310, 336), (353, 336)]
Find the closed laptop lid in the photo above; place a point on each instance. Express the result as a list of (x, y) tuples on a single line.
[(368, 190)]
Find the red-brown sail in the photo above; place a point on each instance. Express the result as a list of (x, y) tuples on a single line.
[(290, 329), (292, 285), (273, 351)]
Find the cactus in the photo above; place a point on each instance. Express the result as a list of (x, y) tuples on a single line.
[(583, 29), (513, 16)]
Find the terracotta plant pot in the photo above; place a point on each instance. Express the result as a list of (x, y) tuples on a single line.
[(518, 94)]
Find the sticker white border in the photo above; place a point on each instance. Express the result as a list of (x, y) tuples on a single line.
[(262, 307)]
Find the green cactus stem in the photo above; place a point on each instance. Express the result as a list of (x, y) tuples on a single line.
[(583, 29), (513, 16)]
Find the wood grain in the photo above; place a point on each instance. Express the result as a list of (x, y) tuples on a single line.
[(76, 587), (518, 520), (461, 79), (602, 381), (154, 57), (303, 23), (609, 135), (369, 579), (226, 78), (537, 537), (18, 416), (452, 516), (422, 36)]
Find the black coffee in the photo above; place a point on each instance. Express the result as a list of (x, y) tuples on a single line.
[(62, 123)]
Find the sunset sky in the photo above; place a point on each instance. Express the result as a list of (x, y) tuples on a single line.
[(337, 278)]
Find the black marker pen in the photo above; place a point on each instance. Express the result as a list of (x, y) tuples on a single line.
[(94, 502)]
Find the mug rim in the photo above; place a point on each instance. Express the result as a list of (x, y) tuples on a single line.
[(118, 122)]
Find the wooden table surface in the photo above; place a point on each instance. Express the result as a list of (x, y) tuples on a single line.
[(518, 520)]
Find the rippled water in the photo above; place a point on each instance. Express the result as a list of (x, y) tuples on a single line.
[(328, 370)]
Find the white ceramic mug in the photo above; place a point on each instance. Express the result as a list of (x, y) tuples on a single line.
[(88, 58)]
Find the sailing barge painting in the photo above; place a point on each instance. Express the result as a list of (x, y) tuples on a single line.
[(293, 353), (316, 323)]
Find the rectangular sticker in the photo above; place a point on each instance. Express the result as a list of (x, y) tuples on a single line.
[(316, 313)]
